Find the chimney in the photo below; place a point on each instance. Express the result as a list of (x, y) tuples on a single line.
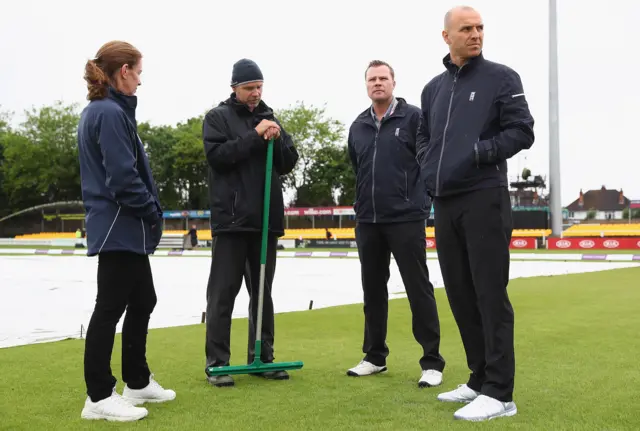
[(621, 198), (581, 199), (603, 188)]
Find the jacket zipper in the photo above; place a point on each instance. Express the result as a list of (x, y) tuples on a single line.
[(444, 134), (373, 175)]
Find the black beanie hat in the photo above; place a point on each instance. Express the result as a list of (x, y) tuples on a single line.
[(245, 71)]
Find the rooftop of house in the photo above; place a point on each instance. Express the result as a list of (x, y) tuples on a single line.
[(602, 199)]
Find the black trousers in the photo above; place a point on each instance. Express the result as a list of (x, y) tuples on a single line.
[(473, 233), (234, 255), (124, 282), (407, 242)]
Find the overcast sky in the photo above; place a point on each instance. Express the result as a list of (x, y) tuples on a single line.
[(319, 56)]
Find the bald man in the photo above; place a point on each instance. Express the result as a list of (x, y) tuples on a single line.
[(474, 118)]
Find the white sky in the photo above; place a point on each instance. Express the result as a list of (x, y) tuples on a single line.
[(319, 56)]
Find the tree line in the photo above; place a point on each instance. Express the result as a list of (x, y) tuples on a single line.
[(39, 159)]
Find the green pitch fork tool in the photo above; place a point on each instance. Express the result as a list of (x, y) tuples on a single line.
[(257, 366)]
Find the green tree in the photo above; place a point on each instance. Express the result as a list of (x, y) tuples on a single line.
[(41, 157), (25, 176), (159, 143), (330, 176), (190, 164), (4, 130), (317, 140)]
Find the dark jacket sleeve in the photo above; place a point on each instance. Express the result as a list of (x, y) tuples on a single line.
[(516, 123), (285, 155), (223, 153), (352, 153), (119, 161), (423, 135)]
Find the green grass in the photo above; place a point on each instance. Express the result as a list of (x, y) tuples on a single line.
[(576, 353)]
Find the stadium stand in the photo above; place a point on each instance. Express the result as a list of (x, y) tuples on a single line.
[(603, 230), (337, 233)]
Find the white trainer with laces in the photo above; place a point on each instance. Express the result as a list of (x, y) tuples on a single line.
[(462, 394), (114, 408), (365, 368), (430, 378), (485, 408), (153, 393)]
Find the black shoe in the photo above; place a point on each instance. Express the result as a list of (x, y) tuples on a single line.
[(273, 375), (221, 381)]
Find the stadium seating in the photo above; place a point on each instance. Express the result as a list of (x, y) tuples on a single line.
[(345, 233), (609, 230), (48, 235), (580, 230)]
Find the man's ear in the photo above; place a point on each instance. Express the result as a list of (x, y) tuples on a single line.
[(445, 36)]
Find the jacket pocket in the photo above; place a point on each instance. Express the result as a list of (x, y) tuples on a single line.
[(477, 154), (233, 203), (406, 186)]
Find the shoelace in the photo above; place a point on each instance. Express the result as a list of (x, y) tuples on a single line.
[(483, 401), (154, 385), (117, 399)]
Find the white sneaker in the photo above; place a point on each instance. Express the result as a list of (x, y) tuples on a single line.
[(462, 394), (153, 393), (430, 378), (485, 408), (365, 368), (114, 408)]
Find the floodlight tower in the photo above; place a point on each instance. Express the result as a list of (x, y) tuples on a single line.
[(555, 203)]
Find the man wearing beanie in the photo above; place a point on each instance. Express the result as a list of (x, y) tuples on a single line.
[(235, 135)]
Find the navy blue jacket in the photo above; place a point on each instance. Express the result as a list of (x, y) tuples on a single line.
[(474, 118), (123, 212), (389, 187)]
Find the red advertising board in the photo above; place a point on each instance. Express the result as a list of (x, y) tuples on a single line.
[(516, 243), (319, 211), (594, 243), (524, 243)]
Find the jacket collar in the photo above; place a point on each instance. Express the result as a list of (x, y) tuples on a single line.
[(400, 111), (127, 103), (261, 110), (472, 63)]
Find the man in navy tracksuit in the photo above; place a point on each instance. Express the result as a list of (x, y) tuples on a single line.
[(391, 209), (474, 118)]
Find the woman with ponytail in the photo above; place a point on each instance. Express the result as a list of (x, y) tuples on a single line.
[(124, 226)]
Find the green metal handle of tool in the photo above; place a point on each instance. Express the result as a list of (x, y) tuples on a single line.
[(267, 201), (263, 248)]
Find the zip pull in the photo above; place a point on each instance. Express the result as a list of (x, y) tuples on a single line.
[(397, 132)]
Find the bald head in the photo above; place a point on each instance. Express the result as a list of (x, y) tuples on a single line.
[(464, 33), (454, 12)]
